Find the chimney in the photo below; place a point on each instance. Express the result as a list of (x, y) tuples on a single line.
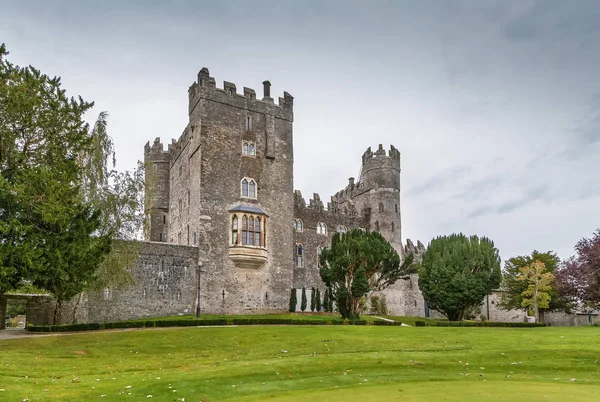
[(351, 182), (266, 89)]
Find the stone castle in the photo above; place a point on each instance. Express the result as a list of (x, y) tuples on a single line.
[(226, 187), (227, 232)]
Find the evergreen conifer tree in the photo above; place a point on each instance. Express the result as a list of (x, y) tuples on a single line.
[(313, 302), (326, 300), (318, 300), (293, 300), (303, 301)]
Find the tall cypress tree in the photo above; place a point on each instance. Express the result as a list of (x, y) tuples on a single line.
[(293, 300), (318, 300), (326, 300), (313, 302), (303, 302)]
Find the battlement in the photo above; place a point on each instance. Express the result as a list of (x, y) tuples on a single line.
[(369, 155), (316, 204), (156, 149), (206, 85)]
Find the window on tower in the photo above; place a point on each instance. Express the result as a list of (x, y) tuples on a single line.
[(381, 207), (248, 148), (249, 188), (322, 228), (299, 256)]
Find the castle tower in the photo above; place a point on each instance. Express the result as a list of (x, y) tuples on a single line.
[(380, 174), (231, 194), (156, 161)]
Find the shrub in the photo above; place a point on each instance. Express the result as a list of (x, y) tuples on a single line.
[(383, 308), (374, 304), (419, 323), (488, 324)]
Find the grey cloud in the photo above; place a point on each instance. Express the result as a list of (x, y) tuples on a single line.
[(440, 180), (479, 212), (531, 195)]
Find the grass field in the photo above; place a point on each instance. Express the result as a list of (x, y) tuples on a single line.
[(285, 363)]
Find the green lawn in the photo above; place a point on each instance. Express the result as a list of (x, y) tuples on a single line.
[(299, 316), (283, 363)]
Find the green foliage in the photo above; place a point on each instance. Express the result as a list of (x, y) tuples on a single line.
[(326, 301), (318, 300), (457, 272), (513, 288), (303, 301), (379, 305), (539, 282), (419, 323), (313, 299), (60, 203), (293, 300), (357, 263)]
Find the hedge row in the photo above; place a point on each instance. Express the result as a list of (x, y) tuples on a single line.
[(196, 323), (487, 324)]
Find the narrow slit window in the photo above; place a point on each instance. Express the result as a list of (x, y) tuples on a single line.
[(248, 123), (234, 230)]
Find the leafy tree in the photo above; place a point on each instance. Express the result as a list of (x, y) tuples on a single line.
[(539, 282), (326, 301), (313, 302), (318, 300), (56, 186), (293, 300), (457, 272), (357, 263), (303, 301), (578, 280), (513, 288)]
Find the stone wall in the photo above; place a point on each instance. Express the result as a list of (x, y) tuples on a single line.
[(165, 284)]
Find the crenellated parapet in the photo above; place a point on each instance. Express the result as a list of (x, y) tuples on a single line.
[(417, 250), (156, 151), (392, 154), (205, 88)]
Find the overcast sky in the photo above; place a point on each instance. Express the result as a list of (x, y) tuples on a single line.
[(494, 105)]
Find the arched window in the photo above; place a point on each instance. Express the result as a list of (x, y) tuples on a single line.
[(321, 228), (248, 148), (342, 229), (251, 231), (195, 238), (244, 230), (300, 226), (252, 191), (234, 230), (160, 237), (299, 256), (257, 226), (381, 207), (294, 224), (244, 188)]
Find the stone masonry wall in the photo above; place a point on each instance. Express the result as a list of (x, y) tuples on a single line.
[(166, 284)]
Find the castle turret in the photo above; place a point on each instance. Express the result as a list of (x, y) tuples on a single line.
[(381, 176), (156, 161)]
